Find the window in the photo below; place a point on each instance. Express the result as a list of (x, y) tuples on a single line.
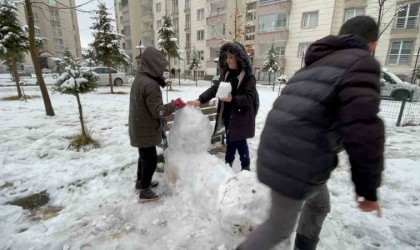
[(350, 13), (262, 48), (58, 43), (200, 35), (158, 7), (250, 33), (128, 44), (200, 73), (127, 30), (400, 52), (37, 31), (59, 55), (56, 30), (273, 22), (408, 17), (200, 14), (175, 24), (187, 21), (303, 47), (251, 11), (54, 16), (174, 6), (52, 3), (187, 40), (217, 30), (310, 20), (35, 16), (159, 24), (200, 55), (187, 4), (125, 17)]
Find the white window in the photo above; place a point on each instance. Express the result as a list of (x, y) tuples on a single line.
[(200, 73), (303, 47), (408, 17), (37, 31), (159, 24), (187, 40), (174, 6), (250, 33), (350, 13), (54, 16), (200, 35), (200, 54), (35, 16), (127, 30), (200, 14), (58, 43), (217, 30), (262, 49), (57, 30), (158, 7), (400, 52), (175, 24), (59, 55), (52, 3), (187, 4), (187, 21), (251, 11), (310, 20), (273, 22)]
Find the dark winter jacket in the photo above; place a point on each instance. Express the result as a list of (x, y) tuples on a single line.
[(146, 105), (336, 93), (242, 107)]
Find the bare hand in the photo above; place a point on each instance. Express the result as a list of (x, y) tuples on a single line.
[(227, 99), (368, 206), (194, 103)]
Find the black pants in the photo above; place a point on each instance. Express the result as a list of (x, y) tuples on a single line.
[(146, 166)]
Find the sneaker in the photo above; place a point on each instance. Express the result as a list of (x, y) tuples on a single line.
[(147, 195), (153, 184)]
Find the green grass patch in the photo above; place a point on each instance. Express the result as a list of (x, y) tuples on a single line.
[(84, 142)]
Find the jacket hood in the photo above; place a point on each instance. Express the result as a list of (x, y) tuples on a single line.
[(240, 53), (330, 44), (153, 62)]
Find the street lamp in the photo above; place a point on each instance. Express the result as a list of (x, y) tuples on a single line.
[(140, 47)]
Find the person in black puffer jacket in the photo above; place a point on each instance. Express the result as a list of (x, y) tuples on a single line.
[(331, 103), (237, 112)]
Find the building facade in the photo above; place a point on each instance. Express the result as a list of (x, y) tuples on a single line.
[(55, 20), (291, 26)]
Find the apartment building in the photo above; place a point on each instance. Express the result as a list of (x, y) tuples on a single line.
[(291, 26), (56, 20)]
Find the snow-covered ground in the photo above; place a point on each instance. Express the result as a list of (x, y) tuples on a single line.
[(93, 204)]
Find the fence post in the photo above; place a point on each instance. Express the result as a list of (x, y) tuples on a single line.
[(411, 95), (403, 101)]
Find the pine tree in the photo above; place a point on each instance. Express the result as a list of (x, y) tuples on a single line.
[(75, 82), (194, 64), (167, 43), (105, 49), (270, 65), (13, 39)]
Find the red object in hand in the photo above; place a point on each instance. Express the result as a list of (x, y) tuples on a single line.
[(178, 103)]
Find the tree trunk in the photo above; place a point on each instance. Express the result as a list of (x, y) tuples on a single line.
[(82, 123), (169, 65), (32, 48), (110, 79), (269, 79), (16, 74)]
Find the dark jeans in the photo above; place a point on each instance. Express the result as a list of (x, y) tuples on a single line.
[(241, 146), (146, 166), (282, 219)]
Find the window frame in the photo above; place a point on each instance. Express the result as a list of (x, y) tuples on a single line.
[(200, 14), (355, 9), (308, 14), (399, 54), (306, 45), (200, 35), (159, 4), (407, 17)]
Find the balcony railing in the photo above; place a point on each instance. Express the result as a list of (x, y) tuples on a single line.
[(274, 29), (265, 2), (146, 17), (403, 23), (149, 32), (217, 13)]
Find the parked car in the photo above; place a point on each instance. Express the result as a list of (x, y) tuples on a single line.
[(118, 78), (393, 86)]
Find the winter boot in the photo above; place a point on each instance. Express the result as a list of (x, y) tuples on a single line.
[(304, 243), (147, 195), (245, 168), (153, 184)]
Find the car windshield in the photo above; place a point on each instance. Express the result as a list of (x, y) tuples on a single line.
[(394, 77)]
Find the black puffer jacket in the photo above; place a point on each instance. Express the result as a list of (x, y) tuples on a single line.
[(337, 92), (243, 105)]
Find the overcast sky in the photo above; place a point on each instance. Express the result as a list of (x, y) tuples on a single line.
[(85, 21)]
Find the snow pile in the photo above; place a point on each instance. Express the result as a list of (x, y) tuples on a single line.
[(243, 203), (224, 90), (187, 161)]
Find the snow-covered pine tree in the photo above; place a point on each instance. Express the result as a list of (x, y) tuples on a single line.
[(105, 49), (270, 65), (58, 64), (13, 39), (194, 64), (74, 82), (167, 43)]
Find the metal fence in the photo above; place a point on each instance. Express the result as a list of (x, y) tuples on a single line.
[(404, 112)]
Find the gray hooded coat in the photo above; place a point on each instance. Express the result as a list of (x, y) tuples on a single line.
[(146, 105)]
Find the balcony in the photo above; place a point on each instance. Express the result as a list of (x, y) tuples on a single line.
[(147, 17), (149, 32), (216, 13), (187, 10), (354, 3), (281, 34), (266, 2), (406, 26)]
